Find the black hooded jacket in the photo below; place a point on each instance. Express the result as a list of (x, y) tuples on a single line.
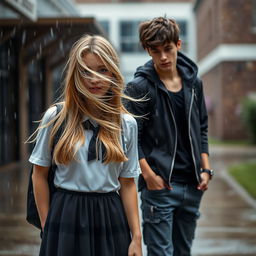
[(157, 130)]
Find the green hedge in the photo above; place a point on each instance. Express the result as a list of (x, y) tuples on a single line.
[(245, 175), (249, 116)]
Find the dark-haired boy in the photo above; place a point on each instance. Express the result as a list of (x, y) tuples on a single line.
[(172, 140)]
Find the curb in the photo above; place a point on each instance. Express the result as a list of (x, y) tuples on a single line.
[(238, 188)]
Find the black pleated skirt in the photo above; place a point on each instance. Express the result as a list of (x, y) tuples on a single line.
[(85, 224)]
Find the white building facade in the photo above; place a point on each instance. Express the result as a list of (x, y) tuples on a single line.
[(121, 20)]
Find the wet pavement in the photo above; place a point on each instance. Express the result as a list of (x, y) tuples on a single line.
[(227, 226), (228, 218)]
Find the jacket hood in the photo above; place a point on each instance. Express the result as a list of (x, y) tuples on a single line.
[(187, 69)]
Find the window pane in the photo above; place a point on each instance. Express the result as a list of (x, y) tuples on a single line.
[(183, 27), (183, 35), (126, 29), (129, 37), (105, 25)]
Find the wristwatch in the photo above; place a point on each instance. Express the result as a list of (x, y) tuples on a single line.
[(210, 172)]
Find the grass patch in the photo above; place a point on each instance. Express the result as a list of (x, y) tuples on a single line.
[(245, 174), (213, 141)]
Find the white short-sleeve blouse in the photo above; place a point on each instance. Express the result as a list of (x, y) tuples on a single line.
[(94, 175)]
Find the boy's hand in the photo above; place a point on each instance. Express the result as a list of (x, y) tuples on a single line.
[(156, 182), (205, 177)]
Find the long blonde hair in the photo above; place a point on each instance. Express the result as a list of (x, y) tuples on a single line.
[(78, 101)]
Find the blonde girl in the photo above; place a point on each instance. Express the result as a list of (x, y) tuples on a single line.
[(94, 210)]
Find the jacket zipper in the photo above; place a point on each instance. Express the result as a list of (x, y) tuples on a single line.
[(175, 147), (189, 134)]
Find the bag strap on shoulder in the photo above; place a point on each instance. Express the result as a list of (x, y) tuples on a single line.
[(60, 129)]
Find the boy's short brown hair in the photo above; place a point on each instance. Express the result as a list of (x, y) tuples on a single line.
[(158, 31)]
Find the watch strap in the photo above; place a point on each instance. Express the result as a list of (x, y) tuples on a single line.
[(210, 172)]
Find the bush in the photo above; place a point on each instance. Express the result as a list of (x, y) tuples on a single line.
[(249, 116)]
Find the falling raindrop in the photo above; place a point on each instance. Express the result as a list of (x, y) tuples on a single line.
[(24, 34), (40, 49), (13, 31), (52, 33), (27, 95), (61, 45)]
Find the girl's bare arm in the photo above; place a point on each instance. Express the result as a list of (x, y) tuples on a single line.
[(128, 194), (41, 191)]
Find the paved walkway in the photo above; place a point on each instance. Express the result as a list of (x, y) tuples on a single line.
[(227, 226), (228, 215)]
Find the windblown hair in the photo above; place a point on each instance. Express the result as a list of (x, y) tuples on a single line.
[(158, 31), (78, 101)]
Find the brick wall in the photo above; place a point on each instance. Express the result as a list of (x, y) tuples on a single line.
[(213, 92), (226, 86), (238, 80), (237, 21), (209, 32), (224, 22)]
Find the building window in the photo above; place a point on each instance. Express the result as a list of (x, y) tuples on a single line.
[(183, 35), (129, 39), (105, 26)]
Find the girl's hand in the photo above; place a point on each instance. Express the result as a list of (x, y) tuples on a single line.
[(135, 248)]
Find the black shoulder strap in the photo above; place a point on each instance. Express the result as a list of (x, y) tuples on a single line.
[(58, 134), (59, 131)]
